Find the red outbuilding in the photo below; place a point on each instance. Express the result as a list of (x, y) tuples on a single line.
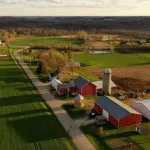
[(80, 85), (118, 113), (66, 87)]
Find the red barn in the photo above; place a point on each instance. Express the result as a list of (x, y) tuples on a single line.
[(80, 85), (118, 113), (84, 87)]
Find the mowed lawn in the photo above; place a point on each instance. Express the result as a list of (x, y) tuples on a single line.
[(26, 41), (113, 135), (26, 123), (3, 51), (113, 60)]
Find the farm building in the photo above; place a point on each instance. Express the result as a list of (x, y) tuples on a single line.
[(84, 87), (80, 85), (66, 87), (54, 83), (118, 113), (142, 107), (99, 85), (54, 75), (76, 64), (78, 101)]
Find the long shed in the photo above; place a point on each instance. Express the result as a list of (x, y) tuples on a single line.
[(99, 85), (142, 107), (116, 112)]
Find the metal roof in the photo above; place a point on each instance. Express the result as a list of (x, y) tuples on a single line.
[(66, 85), (146, 103), (55, 83), (116, 108), (99, 84), (78, 97), (81, 82)]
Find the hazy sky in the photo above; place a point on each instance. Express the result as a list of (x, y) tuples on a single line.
[(74, 7)]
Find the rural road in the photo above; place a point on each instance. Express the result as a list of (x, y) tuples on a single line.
[(73, 130)]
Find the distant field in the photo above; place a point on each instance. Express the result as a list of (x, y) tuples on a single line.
[(26, 123), (26, 41), (113, 60)]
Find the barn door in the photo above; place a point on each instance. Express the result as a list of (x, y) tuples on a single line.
[(105, 114)]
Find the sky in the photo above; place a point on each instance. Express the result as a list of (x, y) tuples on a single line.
[(74, 7)]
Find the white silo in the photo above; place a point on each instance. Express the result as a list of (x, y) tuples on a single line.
[(107, 81)]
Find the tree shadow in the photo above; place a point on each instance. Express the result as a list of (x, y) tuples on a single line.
[(23, 99), (26, 88), (16, 114), (38, 128)]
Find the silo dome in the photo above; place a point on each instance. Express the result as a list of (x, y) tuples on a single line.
[(107, 70)]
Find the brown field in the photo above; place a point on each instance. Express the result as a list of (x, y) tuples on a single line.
[(129, 78)]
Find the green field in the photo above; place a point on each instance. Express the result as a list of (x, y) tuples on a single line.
[(3, 51), (27, 41), (113, 60), (26, 122), (111, 133), (75, 113)]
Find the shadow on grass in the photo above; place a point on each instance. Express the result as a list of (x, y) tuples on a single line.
[(64, 96), (16, 114), (38, 128), (26, 88), (75, 112), (23, 99)]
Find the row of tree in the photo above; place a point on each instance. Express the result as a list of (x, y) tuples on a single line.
[(52, 60), (81, 33)]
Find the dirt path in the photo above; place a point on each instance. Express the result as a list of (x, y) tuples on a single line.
[(73, 130)]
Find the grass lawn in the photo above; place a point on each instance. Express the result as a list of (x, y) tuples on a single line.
[(26, 122), (26, 41), (111, 133), (3, 50), (113, 60), (75, 113)]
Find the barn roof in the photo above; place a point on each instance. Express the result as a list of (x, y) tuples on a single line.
[(116, 108), (99, 84), (146, 103), (66, 85), (81, 82)]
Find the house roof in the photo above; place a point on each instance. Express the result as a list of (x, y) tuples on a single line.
[(99, 84), (116, 108), (66, 85), (146, 103), (78, 97), (80, 82), (55, 83)]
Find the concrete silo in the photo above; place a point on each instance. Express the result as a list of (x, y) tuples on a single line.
[(107, 81)]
